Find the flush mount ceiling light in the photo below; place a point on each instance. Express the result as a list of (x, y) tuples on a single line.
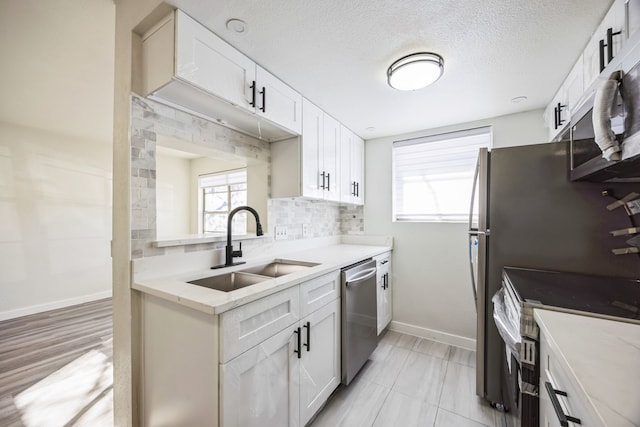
[(415, 71), (237, 25)]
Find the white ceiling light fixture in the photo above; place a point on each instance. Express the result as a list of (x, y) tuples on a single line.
[(237, 26), (415, 71)]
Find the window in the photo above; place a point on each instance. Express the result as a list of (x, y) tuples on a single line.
[(221, 193), (433, 175)]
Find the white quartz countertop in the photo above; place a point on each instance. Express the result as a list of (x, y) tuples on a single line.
[(604, 357), (329, 258)]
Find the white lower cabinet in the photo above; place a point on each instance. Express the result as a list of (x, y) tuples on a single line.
[(261, 386), (383, 293), (320, 359), (287, 377)]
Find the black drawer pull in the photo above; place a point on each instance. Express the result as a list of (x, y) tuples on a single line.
[(308, 344), (297, 350), (564, 419), (253, 94), (263, 92)]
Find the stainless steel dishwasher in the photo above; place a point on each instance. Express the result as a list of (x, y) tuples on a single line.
[(359, 317)]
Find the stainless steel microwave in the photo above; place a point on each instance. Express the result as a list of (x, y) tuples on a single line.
[(587, 163)]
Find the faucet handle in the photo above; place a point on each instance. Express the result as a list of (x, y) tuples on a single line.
[(237, 253)]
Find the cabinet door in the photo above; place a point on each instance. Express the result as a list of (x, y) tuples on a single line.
[(357, 168), (278, 102), (346, 184), (320, 362), (574, 86), (205, 60), (261, 386), (312, 136), (591, 60), (330, 152), (383, 292), (633, 16)]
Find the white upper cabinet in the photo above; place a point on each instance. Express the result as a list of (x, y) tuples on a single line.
[(330, 152), (205, 60), (351, 167), (188, 67), (606, 42), (276, 101), (308, 166)]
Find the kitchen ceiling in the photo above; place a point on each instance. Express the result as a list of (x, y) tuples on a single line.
[(336, 53)]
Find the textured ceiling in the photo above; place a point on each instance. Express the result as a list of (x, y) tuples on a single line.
[(336, 52)]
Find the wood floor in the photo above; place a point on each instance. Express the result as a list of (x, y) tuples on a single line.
[(56, 367)]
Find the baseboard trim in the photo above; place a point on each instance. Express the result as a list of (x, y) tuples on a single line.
[(33, 309), (443, 337)]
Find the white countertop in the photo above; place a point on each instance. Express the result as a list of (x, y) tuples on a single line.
[(329, 258), (604, 357)]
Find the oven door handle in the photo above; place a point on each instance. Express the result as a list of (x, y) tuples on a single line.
[(562, 417)]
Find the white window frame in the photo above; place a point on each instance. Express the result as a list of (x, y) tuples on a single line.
[(463, 143), (221, 179)]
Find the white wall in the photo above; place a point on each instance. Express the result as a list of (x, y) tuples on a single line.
[(173, 196), (56, 121), (432, 293)]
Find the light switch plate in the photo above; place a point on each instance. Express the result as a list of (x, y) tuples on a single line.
[(282, 232)]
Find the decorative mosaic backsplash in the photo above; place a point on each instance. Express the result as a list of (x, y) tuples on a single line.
[(150, 119)]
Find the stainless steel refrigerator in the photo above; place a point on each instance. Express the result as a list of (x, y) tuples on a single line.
[(529, 214)]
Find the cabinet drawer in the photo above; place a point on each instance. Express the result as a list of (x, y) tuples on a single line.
[(382, 263), (250, 324), (319, 291), (575, 403)]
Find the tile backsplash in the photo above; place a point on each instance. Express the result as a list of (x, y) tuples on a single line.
[(150, 119)]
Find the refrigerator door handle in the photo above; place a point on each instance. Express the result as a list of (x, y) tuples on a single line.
[(473, 241), (473, 192)]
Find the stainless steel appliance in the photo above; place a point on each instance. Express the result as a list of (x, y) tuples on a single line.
[(359, 317), (530, 215)]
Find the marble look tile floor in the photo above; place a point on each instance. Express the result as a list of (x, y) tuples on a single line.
[(410, 381)]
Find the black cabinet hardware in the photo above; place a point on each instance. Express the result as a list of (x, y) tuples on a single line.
[(357, 189), (328, 181), (562, 417), (555, 117), (560, 108), (383, 262), (609, 44), (253, 94), (353, 186), (308, 343), (263, 92), (297, 350), (323, 177)]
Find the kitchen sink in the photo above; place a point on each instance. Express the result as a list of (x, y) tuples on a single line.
[(230, 281), (279, 268)]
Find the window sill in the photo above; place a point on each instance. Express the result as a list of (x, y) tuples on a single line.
[(196, 239)]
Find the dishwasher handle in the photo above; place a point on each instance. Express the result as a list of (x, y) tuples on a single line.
[(361, 277)]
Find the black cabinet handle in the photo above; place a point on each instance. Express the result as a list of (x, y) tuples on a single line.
[(308, 344), (253, 94), (357, 189), (263, 92), (555, 117), (610, 35), (564, 419), (323, 177), (297, 350), (560, 108), (601, 55), (328, 181), (353, 186), (386, 280)]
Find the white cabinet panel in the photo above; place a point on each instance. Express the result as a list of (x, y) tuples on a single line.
[(260, 387), (248, 325), (312, 155), (320, 362), (205, 60), (330, 152), (317, 292), (574, 86), (384, 290), (278, 102), (351, 167)]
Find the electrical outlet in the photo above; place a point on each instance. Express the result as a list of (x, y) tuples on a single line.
[(305, 230), (282, 232)]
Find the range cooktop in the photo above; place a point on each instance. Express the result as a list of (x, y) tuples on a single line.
[(609, 296)]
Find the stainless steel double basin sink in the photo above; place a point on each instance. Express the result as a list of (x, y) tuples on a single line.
[(228, 282)]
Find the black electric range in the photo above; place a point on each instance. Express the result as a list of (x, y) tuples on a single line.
[(598, 295)]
